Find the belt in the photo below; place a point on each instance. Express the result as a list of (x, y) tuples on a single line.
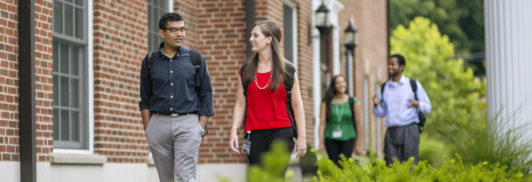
[(402, 126), (176, 114)]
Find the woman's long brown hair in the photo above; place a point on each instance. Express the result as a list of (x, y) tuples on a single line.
[(268, 29)]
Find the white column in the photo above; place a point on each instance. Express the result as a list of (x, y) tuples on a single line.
[(508, 29), (316, 72)]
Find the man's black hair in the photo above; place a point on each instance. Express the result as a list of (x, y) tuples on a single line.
[(168, 17), (400, 58)]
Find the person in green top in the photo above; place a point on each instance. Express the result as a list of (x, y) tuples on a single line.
[(339, 127)]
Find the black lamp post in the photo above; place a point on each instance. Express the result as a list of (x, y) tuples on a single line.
[(350, 42), (350, 37), (322, 18), (323, 25)]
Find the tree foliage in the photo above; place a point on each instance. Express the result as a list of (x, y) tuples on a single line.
[(461, 20)]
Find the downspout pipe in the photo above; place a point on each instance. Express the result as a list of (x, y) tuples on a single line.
[(26, 73)]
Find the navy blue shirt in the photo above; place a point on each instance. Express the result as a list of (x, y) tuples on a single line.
[(170, 88)]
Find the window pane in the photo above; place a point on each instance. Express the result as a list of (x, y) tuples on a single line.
[(155, 2), (75, 61), (56, 124), (288, 24), (75, 93), (69, 14), (79, 2), (75, 126), (79, 23), (64, 92), (64, 63), (156, 17), (65, 118), (56, 56), (58, 17), (70, 1), (156, 42), (56, 90), (162, 3)]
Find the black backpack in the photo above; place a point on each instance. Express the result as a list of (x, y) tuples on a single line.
[(288, 84), (351, 101), (195, 57), (420, 114)]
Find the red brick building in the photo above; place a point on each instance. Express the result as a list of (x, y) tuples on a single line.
[(87, 56)]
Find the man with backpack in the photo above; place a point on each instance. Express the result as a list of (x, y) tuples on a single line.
[(405, 104), (176, 102)]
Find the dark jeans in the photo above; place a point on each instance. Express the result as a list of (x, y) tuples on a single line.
[(401, 143), (335, 148), (262, 139)]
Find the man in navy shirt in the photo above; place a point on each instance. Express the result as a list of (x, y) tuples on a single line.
[(174, 109)]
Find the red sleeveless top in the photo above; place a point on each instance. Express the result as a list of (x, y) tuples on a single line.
[(266, 110)]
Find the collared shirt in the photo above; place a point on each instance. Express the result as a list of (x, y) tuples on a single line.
[(396, 103), (170, 88)]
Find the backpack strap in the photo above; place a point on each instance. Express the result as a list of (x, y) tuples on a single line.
[(382, 91), (413, 84), (288, 85), (195, 58), (352, 107), (151, 59), (242, 70)]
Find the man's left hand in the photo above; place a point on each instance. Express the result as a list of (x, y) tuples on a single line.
[(413, 103)]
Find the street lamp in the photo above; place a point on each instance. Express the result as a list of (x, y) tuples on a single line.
[(323, 25), (350, 42), (350, 36), (322, 19)]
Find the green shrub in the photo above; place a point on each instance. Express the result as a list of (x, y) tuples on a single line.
[(369, 168), (452, 170)]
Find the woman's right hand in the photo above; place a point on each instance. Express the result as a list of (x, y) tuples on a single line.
[(233, 141)]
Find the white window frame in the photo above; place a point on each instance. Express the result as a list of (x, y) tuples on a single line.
[(90, 88), (366, 111), (293, 5)]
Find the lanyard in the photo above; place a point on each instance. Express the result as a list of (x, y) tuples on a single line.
[(339, 114)]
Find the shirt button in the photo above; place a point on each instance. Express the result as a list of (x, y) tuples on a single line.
[(171, 109), (171, 72), (171, 84), (171, 96)]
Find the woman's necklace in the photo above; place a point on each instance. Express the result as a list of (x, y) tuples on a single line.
[(267, 83)]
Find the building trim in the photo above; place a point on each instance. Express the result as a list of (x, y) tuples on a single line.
[(250, 21), (26, 71)]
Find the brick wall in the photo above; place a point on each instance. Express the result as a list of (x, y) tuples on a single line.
[(8, 81), (221, 37), (370, 20), (44, 79), (120, 44)]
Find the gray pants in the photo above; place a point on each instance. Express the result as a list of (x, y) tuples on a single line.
[(174, 143), (401, 143)]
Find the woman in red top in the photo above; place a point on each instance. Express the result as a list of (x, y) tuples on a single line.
[(267, 117)]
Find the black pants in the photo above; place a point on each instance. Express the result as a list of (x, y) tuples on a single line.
[(262, 139), (335, 148), (401, 143)]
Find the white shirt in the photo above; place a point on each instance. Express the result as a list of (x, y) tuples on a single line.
[(396, 103)]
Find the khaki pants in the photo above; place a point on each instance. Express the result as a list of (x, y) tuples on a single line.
[(174, 143)]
